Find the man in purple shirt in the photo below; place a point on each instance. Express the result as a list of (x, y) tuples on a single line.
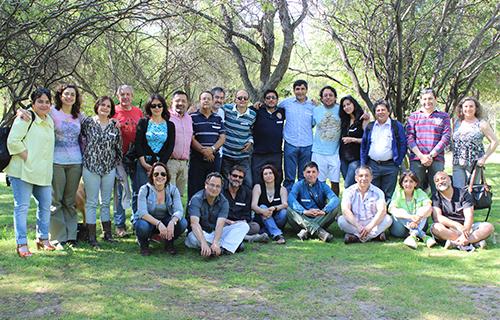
[(178, 163), (428, 133)]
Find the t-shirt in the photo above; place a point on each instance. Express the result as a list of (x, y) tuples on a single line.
[(454, 209), (67, 130), (128, 120), (268, 131), (327, 134), (239, 207), (351, 151)]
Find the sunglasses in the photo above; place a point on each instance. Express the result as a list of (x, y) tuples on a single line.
[(237, 176), (242, 98), (271, 98), (156, 174), (156, 106)]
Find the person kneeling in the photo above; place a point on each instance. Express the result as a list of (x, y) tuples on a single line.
[(159, 210), (453, 214), (208, 210), (363, 210), (313, 205)]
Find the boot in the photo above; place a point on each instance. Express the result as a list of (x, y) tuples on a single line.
[(169, 247), (106, 229), (92, 235)]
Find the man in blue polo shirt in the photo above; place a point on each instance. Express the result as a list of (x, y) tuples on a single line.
[(325, 149), (312, 205), (208, 137), (268, 136), (298, 132), (237, 149)]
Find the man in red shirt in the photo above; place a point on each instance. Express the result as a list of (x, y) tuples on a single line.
[(128, 116)]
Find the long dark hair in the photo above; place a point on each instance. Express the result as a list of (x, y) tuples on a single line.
[(75, 108), (345, 119), (164, 113)]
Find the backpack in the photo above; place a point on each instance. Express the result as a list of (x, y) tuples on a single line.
[(4, 134)]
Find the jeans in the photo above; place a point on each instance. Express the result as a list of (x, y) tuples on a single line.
[(426, 174), (274, 223), (295, 160), (348, 170), (119, 213), (228, 163), (95, 184), (64, 218), (260, 159), (400, 229), (462, 174), (299, 221), (140, 178), (385, 177), (144, 230), (22, 194)]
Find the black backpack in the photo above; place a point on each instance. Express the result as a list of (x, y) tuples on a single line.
[(4, 134)]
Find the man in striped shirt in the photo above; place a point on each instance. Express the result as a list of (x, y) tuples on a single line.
[(428, 133), (237, 149)]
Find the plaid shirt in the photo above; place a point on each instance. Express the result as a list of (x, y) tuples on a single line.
[(428, 133)]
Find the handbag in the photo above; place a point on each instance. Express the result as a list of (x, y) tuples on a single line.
[(481, 192)]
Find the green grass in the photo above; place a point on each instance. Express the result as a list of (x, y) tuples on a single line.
[(311, 279)]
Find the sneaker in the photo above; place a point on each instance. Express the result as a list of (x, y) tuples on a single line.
[(480, 244), (381, 237), (262, 237), (241, 248), (121, 233), (449, 244), (350, 238), (411, 241), (324, 235), (303, 234), (429, 241), (467, 248), (279, 239)]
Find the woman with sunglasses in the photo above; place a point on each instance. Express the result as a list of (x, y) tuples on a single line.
[(154, 141), (410, 207), (159, 211), (31, 144), (102, 154)]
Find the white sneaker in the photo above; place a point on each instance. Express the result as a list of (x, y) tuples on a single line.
[(429, 241), (480, 244), (411, 241), (450, 244)]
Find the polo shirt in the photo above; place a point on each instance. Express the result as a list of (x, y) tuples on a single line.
[(206, 130), (268, 130), (238, 131), (199, 207), (240, 206), (299, 122), (454, 209)]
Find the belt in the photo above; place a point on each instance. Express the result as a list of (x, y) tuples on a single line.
[(383, 162), (179, 159)]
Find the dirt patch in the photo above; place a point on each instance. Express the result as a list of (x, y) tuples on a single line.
[(485, 299), (40, 304)]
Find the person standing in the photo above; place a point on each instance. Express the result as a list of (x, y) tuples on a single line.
[(428, 132), (325, 148), (128, 117), (297, 133)]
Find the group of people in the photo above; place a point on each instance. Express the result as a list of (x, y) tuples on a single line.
[(248, 170)]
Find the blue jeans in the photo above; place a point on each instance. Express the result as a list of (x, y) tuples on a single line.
[(400, 229), (140, 178), (274, 223), (144, 230), (426, 174), (22, 194), (385, 177), (348, 170), (95, 184), (295, 160)]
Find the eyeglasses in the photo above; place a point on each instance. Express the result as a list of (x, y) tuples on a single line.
[(242, 98), (156, 174), (156, 106), (237, 176), (271, 98)]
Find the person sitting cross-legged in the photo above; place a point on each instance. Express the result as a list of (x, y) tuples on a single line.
[(312, 205), (453, 214), (208, 210), (410, 207), (159, 210), (363, 210)]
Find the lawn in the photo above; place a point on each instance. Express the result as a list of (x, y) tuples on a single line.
[(300, 280)]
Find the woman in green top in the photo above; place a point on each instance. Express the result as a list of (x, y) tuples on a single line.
[(410, 208)]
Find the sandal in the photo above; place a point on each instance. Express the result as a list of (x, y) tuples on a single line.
[(44, 244), (279, 239), (23, 253)]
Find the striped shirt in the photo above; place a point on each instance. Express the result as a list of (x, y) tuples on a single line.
[(239, 131), (299, 122), (206, 130), (428, 133)]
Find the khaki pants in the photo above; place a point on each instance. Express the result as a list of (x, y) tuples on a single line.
[(178, 170)]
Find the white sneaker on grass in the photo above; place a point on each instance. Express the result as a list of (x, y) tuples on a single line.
[(411, 241)]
